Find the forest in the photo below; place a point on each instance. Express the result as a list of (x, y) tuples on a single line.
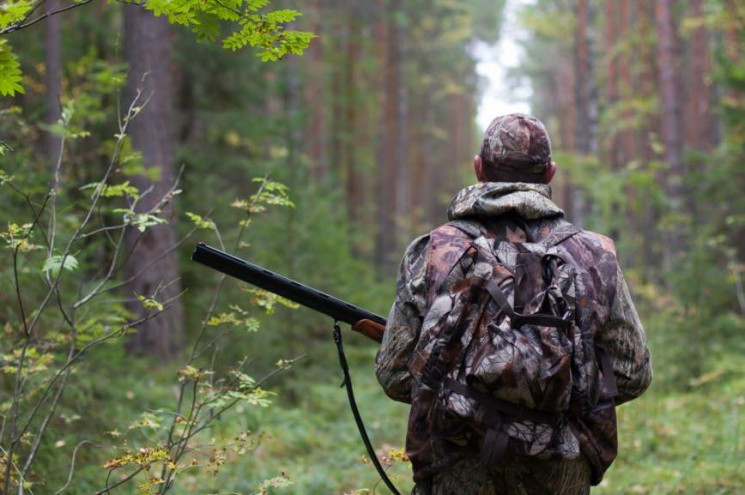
[(318, 138)]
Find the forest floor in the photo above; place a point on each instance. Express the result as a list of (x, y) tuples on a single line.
[(679, 438), (684, 436)]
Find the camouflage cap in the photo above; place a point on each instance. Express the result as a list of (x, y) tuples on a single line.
[(517, 142)]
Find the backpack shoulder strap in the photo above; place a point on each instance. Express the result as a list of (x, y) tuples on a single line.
[(560, 234), (472, 228)]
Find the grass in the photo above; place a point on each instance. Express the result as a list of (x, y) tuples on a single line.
[(685, 436)]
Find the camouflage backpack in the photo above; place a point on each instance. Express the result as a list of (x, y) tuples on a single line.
[(500, 347)]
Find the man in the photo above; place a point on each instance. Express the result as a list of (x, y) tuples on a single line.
[(513, 201)]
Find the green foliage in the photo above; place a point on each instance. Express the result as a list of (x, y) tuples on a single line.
[(16, 237), (488, 16), (268, 300), (265, 32), (247, 25), (51, 322), (13, 11), (238, 317), (10, 70), (201, 222), (105, 190), (54, 264), (319, 458), (270, 194), (64, 126)]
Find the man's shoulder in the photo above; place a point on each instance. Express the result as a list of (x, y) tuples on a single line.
[(596, 241), (446, 244), (456, 231), (447, 234)]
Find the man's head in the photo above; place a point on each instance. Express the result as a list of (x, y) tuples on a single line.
[(516, 148)]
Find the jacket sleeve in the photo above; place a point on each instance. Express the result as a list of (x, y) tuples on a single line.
[(624, 341), (404, 323)]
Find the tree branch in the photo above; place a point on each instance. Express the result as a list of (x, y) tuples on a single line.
[(72, 465), (23, 24)]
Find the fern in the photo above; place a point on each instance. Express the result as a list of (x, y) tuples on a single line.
[(10, 71), (14, 12), (282, 16)]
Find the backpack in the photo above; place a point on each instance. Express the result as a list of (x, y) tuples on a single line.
[(501, 349)]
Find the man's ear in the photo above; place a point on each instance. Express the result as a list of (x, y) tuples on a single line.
[(549, 173), (478, 168)]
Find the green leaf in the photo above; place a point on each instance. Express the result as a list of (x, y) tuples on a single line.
[(144, 220), (119, 190), (3, 176), (277, 482), (150, 303), (14, 11), (200, 222), (113, 191), (10, 71), (268, 300), (53, 264), (17, 237), (282, 16)]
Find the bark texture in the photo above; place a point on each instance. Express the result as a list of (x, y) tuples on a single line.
[(147, 49)]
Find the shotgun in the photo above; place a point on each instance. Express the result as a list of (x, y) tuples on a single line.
[(362, 321)]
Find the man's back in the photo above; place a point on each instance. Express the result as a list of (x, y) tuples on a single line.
[(515, 212)]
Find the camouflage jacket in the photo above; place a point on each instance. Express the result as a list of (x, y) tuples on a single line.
[(517, 212)]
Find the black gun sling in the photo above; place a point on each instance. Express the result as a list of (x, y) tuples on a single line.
[(356, 412)]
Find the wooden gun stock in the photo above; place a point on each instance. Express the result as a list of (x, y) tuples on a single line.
[(370, 329)]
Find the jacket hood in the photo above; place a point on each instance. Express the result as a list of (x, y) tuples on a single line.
[(530, 201)]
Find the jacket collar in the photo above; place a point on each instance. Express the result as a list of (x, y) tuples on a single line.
[(530, 201)]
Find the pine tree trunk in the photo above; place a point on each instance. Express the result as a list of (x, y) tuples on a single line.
[(387, 187), (351, 178), (626, 138), (402, 217), (699, 126), (337, 130), (650, 252), (611, 39), (670, 102), (147, 49), (627, 151), (584, 95), (316, 135)]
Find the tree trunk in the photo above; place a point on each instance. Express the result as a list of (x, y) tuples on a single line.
[(611, 39), (670, 103), (650, 250), (316, 135), (402, 217), (147, 47), (627, 151), (386, 226), (351, 179), (336, 53), (699, 125), (626, 138), (584, 94)]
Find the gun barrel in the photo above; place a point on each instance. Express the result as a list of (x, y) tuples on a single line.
[(282, 286)]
